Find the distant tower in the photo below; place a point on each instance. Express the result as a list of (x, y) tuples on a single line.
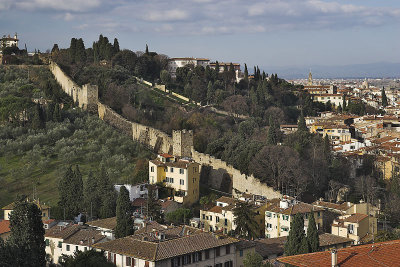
[(365, 84), (310, 78)]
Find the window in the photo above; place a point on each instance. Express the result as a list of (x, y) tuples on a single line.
[(269, 225), (171, 170), (67, 247), (226, 222), (204, 216), (210, 218), (128, 261), (267, 235), (217, 251), (207, 254), (182, 182), (218, 265), (59, 244), (152, 170), (76, 248), (351, 228), (228, 264), (47, 242), (217, 219), (319, 213), (211, 228), (44, 214), (181, 171), (228, 249), (241, 253), (85, 248)]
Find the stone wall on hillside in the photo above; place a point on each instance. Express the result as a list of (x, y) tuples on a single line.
[(222, 176), (240, 182), (86, 97)]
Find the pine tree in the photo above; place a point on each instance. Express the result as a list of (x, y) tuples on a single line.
[(124, 214), (312, 234), (384, 98), (272, 138), (295, 241), (246, 226), (301, 124), (27, 235)]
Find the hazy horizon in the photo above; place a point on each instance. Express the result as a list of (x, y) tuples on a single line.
[(276, 34)]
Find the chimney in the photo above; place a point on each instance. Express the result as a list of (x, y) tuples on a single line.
[(334, 258)]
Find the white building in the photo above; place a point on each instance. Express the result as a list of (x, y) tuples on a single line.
[(179, 62), (280, 212), (136, 191), (8, 41), (172, 246), (67, 238)]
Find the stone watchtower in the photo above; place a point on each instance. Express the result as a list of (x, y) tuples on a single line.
[(89, 97), (182, 143)]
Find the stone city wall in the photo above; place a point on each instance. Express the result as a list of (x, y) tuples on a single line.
[(180, 144), (86, 97), (240, 182)]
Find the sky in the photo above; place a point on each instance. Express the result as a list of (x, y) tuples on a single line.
[(266, 33)]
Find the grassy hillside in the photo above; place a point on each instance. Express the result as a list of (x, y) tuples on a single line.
[(34, 156)]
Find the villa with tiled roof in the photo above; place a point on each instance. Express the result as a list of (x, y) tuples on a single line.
[(172, 246), (280, 212)]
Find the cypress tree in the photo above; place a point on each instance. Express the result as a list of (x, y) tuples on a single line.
[(57, 114), (72, 49), (80, 53), (210, 92), (91, 196), (295, 242), (124, 214), (344, 103), (216, 69), (116, 45), (312, 234), (272, 138), (384, 98), (107, 193), (301, 124), (70, 188), (27, 235), (147, 49), (246, 75), (153, 208)]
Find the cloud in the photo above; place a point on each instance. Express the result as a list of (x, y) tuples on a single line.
[(58, 5), (166, 15), (212, 17)]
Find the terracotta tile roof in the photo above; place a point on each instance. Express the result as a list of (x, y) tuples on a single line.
[(301, 207), (270, 246), (326, 239), (84, 237), (355, 218), (139, 202), (371, 255), (4, 227), (156, 251), (165, 155), (108, 223), (341, 207), (216, 209), (40, 205), (62, 232)]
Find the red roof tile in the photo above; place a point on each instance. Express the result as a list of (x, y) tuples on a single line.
[(378, 254), (4, 227)]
